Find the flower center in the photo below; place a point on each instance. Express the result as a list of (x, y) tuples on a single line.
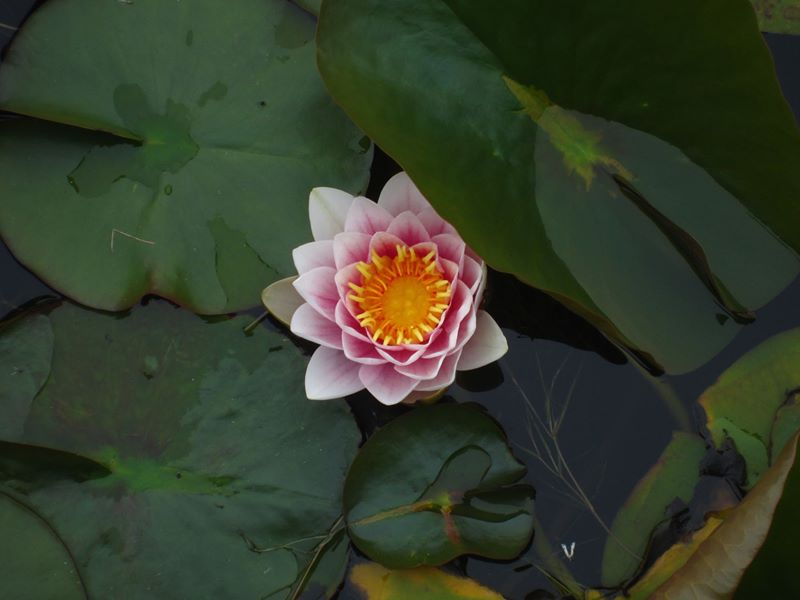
[(402, 297)]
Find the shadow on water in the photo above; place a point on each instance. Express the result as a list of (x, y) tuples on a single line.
[(615, 423)]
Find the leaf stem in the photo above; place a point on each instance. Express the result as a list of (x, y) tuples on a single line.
[(337, 528)]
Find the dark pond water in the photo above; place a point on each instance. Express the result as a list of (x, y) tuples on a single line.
[(617, 418)]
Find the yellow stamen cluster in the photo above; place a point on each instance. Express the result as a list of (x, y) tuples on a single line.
[(402, 298)]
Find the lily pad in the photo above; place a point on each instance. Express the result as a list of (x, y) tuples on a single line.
[(26, 348), (422, 583), (754, 402), (219, 478), (434, 484), (171, 149), (604, 164), (674, 476)]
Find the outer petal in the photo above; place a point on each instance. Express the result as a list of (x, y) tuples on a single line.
[(360, 351), (309, 324), (486, 345), (450, 247), (400, 194), (446, 375), (386, 384), (312, 255), (281, 299), (318, 288), (408, 228), (327, 211), (330, 375), (434, 223), (350, 247), (365, 216), (471, 274)]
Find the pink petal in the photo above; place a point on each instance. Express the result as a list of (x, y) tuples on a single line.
[(400, 355), (348, 322), (450, 247), (318, 288), (424, 368), (360, 351), (443, 343), (330, 375), (485, 346), (471, 273), (350, 247), (367, 217), (312, 255), (460, 305), (342, 278), (466, 329), (445, 377), (385, 244), (449, 270), (408, 228), (386, 384), (400, 194), (327, 211), (309, 324), (481, 285), (435, 224)]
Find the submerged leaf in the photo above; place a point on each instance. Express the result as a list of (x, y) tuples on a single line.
[(778, 16), (436, 483), (215, 127), (215, 476)]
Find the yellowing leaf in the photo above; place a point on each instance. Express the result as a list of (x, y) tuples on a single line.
[(424, 583)]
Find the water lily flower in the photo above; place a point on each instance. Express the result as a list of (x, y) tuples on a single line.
[(391, 293)]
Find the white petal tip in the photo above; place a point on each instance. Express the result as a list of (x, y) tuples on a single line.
[(487, 345)]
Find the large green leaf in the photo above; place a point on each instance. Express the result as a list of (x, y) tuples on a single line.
[(215, 126), (634, 161), (674, 476), (436, 483), (754, 402), (222, 477)]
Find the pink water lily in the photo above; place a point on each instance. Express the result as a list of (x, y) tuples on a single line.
[(391, 293)]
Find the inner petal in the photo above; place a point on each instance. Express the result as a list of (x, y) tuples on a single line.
[(401, 296)]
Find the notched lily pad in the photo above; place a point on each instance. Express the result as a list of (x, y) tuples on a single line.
[(436, 483), (173, 154), (179, 459)]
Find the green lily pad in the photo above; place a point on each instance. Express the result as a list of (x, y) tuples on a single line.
[(171, 150), (52, 575), (604, 164), (434, 484), (674, 476), (754, 402), (218, 477), (26, 348)]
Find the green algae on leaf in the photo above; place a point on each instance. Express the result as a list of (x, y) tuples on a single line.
[(164, 120), (434, 484), (190, 463)]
